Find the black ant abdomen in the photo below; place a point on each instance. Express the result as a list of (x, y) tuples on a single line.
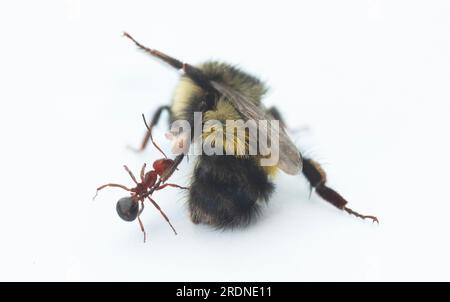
[(127, 208)]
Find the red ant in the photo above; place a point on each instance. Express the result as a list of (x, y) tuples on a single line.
[(154, 180)]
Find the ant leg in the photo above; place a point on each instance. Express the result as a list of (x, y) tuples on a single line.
[(317, 178), (140, 221), (131, 174), (153, 122), (162, 213), (141, 225), (110, 185), (171, 185), (143, 172)]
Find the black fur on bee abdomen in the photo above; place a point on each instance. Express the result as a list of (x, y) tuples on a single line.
[(226, 191)]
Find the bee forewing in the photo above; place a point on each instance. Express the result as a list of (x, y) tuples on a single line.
[(290, 160)]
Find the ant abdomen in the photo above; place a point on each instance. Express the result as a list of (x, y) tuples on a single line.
[(127, 208)]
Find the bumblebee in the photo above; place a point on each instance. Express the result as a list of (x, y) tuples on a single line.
[(228, 191)]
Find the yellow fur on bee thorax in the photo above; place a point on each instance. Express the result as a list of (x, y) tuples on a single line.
[(237, 141), (215, 131), (183, 94)]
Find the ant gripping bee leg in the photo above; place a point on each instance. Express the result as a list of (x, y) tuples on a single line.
[(317, 178), (128, 207)]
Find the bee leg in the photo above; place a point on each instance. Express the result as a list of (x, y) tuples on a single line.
[(148, 134), (192, 72), (317, 178), (157, 54)]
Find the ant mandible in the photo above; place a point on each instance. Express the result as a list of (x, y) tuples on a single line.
[(154, 180)]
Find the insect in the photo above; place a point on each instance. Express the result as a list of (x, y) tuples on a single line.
[(131, 207), (227, 191)]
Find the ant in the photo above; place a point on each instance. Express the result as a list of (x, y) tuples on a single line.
[(153, 180)]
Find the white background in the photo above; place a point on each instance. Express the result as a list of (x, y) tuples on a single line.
[(370, 80)]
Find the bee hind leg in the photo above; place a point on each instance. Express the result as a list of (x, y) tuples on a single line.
[(317, 179)]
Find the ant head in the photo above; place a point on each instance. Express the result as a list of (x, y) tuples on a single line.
[(161, 165), (127, 208)]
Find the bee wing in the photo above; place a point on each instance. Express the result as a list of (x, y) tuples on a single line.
[(290, 160)]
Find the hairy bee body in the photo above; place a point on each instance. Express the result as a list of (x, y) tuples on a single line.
[(226, 191), (189, 97)]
